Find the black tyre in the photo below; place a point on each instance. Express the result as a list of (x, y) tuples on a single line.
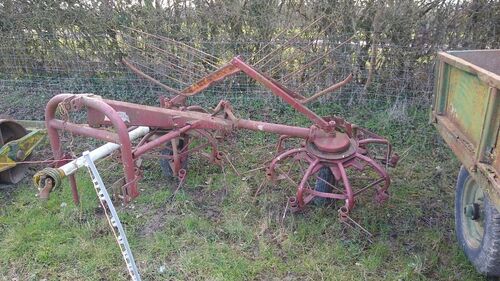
[(325, 176), (477, 225), (165, 163)]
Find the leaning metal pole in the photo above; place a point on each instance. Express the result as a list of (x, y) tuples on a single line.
[(112, 216)]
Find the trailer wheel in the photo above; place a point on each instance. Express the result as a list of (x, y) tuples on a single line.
[(477, 225), (325, 176), (165, 163)]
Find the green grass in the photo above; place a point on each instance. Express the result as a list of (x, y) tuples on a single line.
[(215, 228)]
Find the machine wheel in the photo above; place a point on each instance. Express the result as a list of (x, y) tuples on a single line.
[(9, 131), (325, 175), (477, 225), (165, 163)]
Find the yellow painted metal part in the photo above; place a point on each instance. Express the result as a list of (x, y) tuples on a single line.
[(17, 150)]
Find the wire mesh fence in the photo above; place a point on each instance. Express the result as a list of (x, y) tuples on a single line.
[(48, 47), (30, 74)]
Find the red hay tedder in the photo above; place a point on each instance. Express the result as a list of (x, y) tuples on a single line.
[(330, 146)]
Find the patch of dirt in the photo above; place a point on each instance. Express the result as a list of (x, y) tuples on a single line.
[(155, 223), (154, 219), (208, 202), (7, 192)]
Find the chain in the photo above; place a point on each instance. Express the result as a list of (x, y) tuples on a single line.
[(66, 118)]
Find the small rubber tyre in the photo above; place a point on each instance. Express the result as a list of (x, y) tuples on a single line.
[(477, 225), (165, 163), (325, 176)]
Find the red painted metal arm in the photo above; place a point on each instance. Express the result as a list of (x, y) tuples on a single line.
[(210, 79), (278, 90), (296, 100), (143, 115)]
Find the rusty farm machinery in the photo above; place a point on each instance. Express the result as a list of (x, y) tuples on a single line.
[(332, 150), (16, 146)]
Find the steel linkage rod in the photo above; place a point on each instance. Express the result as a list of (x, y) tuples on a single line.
[(161, 140)]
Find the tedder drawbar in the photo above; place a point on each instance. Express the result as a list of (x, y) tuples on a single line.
[(330, 146)]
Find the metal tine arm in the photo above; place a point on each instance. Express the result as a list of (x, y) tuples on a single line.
[(195, 88), (173, 74), (184, 60), (205, 82), (273, 69), (276, 67), (290, 41), (149, 78), (269, 43), (200, 54), (298, 97), (313, 77), (287, 77), (162, 73), (171, 64)]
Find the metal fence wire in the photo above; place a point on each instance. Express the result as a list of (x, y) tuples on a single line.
[(48, 47), (33, 72)]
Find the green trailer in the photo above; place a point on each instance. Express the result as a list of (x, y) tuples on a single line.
[(466, 111)]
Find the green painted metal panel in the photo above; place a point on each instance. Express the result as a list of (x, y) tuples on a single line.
[(467, 113), (467, 102)]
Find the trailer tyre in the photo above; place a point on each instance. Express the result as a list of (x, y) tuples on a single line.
[(325, 176), (477, 225)]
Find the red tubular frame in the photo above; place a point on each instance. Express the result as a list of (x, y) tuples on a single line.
[(109, 112), (180, 122), (118, 124)]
